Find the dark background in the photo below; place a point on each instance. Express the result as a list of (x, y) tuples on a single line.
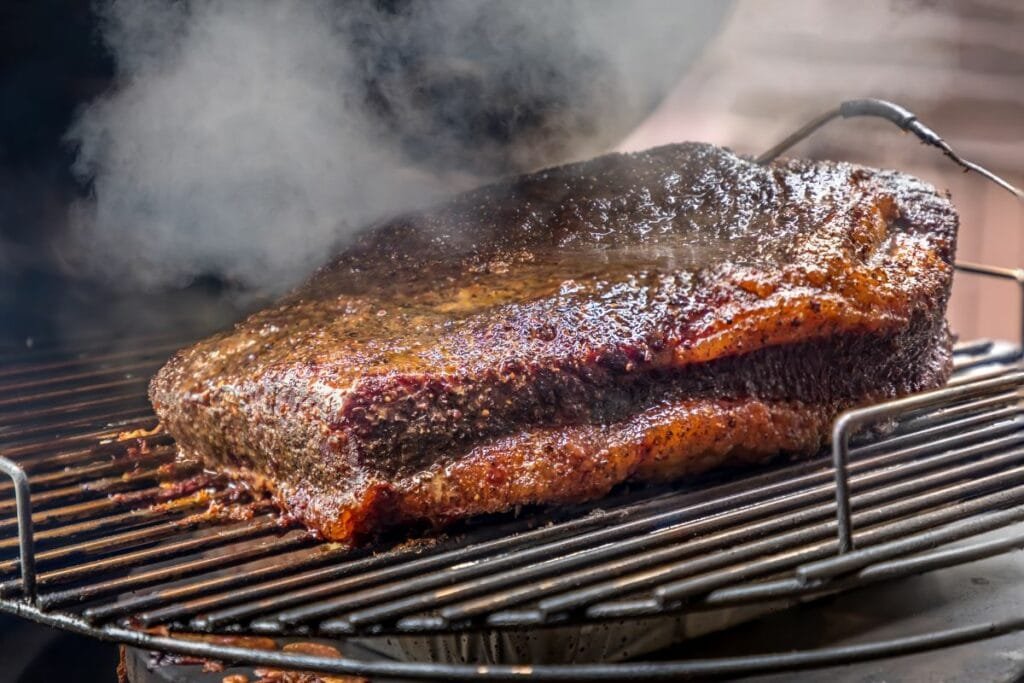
[(51, 61)]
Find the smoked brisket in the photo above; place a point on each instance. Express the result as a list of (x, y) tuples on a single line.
[(637, 316)]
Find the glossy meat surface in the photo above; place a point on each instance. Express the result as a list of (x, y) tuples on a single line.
[(579, 313)]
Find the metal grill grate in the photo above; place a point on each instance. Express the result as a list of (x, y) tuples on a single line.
[(103, 532)]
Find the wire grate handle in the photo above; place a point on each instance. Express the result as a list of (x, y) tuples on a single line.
[(901, 117), (26, 535)]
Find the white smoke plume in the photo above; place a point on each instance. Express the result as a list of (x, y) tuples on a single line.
[(241, 139), (232, 145)]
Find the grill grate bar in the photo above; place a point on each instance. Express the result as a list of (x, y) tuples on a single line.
[(392, 570), (920, 427), (645, 524), (941, 558), (135, 370), (58, 358), (237, 555), (463, 553), (56, 414), (88, 509), (668, 529), (972, 355), (110, 544), (243, 594), (121, 522), (891, 569), (940, 515), (645, 570), (38, 466), (700, 586), (828, 569), (118, 541), (724, 538), (137, 558), (563, 582), (584, 596), (26, 535), (101, 487), (948, 511), (74, 391), (40, 436), (81, 448), (42, 482), (315, 556), (853, 421)]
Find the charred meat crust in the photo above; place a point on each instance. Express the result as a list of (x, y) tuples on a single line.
[(664, 435), (573, 300)]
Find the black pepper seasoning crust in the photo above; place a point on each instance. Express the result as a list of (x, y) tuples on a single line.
[(577, 298)]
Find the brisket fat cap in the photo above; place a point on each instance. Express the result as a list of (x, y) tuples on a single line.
[(472, 347)]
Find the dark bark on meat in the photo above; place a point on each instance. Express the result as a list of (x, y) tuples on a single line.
[(539, 340)]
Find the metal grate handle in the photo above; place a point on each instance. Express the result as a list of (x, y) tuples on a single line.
[(26, 535)]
